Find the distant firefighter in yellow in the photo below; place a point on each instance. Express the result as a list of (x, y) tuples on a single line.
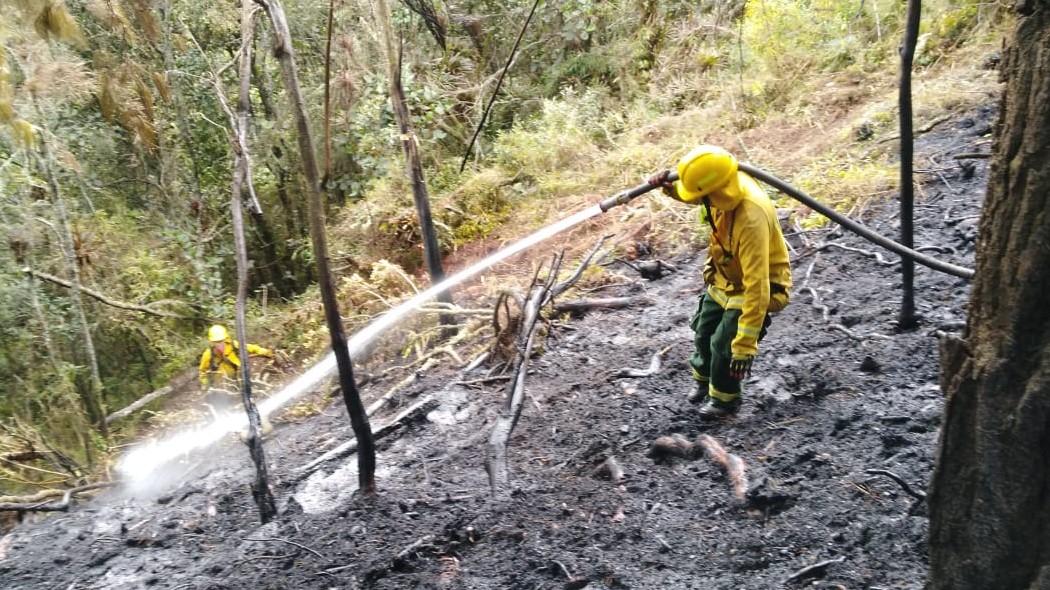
[(747, 273), (220, 371), (220, 361)]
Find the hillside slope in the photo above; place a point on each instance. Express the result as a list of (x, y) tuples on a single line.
[(821, 409)]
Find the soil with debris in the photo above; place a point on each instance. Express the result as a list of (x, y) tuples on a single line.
[(833, 395)]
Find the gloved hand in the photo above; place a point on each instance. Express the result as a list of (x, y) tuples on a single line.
[(660, 179), (740, 366)]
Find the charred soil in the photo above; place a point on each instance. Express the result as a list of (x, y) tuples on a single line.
[(837, 391)]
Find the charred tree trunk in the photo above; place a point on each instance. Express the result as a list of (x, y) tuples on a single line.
[(410, 145), (358, 419), (906, 319), (989, 500), (241, 173)]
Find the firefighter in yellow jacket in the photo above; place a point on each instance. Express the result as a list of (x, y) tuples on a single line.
[(747, 273), (220, 361)]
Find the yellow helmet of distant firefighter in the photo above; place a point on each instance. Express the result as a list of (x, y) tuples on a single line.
[(217, 333), (702, 171)]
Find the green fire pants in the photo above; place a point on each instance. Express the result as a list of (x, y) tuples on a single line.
[(715, 328)]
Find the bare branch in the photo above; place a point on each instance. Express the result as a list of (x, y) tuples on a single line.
[(148, 308)]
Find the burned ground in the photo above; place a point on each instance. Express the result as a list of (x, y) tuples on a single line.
[(822, 408)]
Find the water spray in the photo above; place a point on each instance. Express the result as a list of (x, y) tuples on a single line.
[(139, 464)]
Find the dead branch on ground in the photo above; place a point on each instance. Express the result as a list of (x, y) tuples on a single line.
[(813, 570), (412, 412), (293, 543), (382, 401), (677, 445), (655, 364), (649, 270), (917, 494), (734, 466), (145, 400), (60, 506), (581, 306), (879, 258), (825, 312)]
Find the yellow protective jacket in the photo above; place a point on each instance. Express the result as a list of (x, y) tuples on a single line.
[(228, 365), (747, 264)]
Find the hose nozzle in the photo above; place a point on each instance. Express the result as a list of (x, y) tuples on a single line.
[(628, 195)]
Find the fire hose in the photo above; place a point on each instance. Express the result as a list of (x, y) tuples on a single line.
[(861, 230)]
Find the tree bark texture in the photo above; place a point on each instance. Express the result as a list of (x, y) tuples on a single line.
[(410, 145), (906, 318), (359, 420), (92, 395), (261, 492), (990, 495)]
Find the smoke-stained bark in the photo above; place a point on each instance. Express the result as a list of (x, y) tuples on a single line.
[(906, 319), (990, 495), (410, 146), (261, 492), (284, 52)]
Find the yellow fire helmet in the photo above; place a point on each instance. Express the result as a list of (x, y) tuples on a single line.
[(217, 333), (703, 170)]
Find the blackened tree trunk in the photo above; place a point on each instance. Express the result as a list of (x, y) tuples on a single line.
[(261, 491), (906, 320), (410, 145), (358, 418), (990, 495)]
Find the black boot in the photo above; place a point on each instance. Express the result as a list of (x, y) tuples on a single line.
[(699, 394), (714, 409)]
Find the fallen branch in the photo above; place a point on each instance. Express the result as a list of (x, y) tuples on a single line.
[(148, 308), (677, 445), (654, 368), (280, 540), (412, 548), (879, 258), (813, 570), (145, 400), (733, 465), (649, 270), (825, 312), (972, 156), (483, 380), (410, 413), (60, 506), (386, 397), (918, 495), (580, 306), (925, 129)]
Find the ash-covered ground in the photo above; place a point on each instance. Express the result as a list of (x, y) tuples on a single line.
[(836, 391)]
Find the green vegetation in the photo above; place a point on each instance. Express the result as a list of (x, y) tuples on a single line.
[(601, 94)]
